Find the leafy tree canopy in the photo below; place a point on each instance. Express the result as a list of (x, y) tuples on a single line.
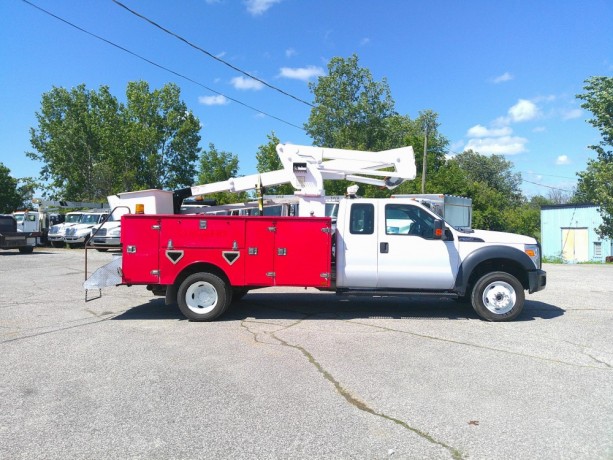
[(92, 145), (10, 198), (595, 184), (218, 166), (268, 160), (352, 111)]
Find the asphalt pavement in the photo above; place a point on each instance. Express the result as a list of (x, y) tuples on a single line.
[(289, 373)]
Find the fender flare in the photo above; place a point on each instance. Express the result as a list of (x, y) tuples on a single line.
[(495, 252)]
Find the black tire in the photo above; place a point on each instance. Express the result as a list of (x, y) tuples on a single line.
[(101, 249), (239, 293), (498, 296), (57, 244), (26, 249), (203, 296)]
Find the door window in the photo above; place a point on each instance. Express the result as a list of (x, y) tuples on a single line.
[(404, 219), (362, 219)]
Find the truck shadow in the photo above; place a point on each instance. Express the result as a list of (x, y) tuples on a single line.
[(318, 306), (15, 252), (329, 306)]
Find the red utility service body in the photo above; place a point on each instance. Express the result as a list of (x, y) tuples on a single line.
[(250, 251)]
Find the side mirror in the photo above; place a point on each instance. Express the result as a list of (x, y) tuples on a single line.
[(439, 229)]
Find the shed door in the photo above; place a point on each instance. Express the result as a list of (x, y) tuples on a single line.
[(575, 244)]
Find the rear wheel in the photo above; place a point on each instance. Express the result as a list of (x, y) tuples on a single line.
[(498, 296), (26, 249), (203, 296)]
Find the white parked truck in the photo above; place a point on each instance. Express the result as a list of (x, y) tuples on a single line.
[(79, 233), (12, 238), (395, 246)]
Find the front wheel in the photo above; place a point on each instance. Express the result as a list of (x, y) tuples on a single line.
[(203, 296), (498, 296)]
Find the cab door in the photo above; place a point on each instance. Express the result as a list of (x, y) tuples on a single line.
[(357, 246), (409, 256)]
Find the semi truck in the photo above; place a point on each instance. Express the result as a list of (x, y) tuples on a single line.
[(387, 246)]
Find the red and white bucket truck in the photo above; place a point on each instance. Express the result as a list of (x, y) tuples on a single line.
[(392, 246)]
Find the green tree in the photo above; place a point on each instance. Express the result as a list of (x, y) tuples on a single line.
[(68, 140), (10, 199), (350, 108), (494, 171), (268, 160), (162, 137), (91, 145), (596, 182), (218, 166), (524, 219), (353, 111)]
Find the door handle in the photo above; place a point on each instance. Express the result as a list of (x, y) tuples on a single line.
[(384, 248)]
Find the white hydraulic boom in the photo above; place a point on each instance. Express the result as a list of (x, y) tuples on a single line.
[(306, 168)]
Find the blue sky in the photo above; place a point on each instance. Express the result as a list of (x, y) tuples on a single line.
[(502, 75)]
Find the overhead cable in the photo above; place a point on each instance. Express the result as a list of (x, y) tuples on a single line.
[(159, 66), (211, 55)]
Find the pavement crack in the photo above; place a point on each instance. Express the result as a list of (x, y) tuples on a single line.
[(355, 402), (361, 405), (597, 360), (53, 331)]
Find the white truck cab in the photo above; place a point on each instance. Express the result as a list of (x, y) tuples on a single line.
[(80, 232), (107, 235), (398, 245), (57, 232)]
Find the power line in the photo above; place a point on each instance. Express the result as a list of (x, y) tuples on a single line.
[(211, 55), (548, 175), (159, 66), (547, 186)]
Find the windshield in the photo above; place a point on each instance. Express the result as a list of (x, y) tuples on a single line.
[(18, 217), (73, 218), (90, 218)]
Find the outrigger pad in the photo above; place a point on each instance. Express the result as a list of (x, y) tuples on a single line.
[(105, 276)]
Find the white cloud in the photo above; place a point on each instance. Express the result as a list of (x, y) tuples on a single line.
[(246, 83), (524, 110), (503, 78), (213, 100), (259, 7), (571, 114), (482, 131), (539, 129), (365, 41), (290, 52), (503, 145), (563, 160), (301, 73)]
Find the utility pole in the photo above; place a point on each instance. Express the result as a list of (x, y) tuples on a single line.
[(423, 172)]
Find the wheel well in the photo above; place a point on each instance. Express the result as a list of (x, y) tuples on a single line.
[(498, 265), (199, 268)]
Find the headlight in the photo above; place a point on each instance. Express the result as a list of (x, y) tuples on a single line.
[(534, 252), (115, 231)]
